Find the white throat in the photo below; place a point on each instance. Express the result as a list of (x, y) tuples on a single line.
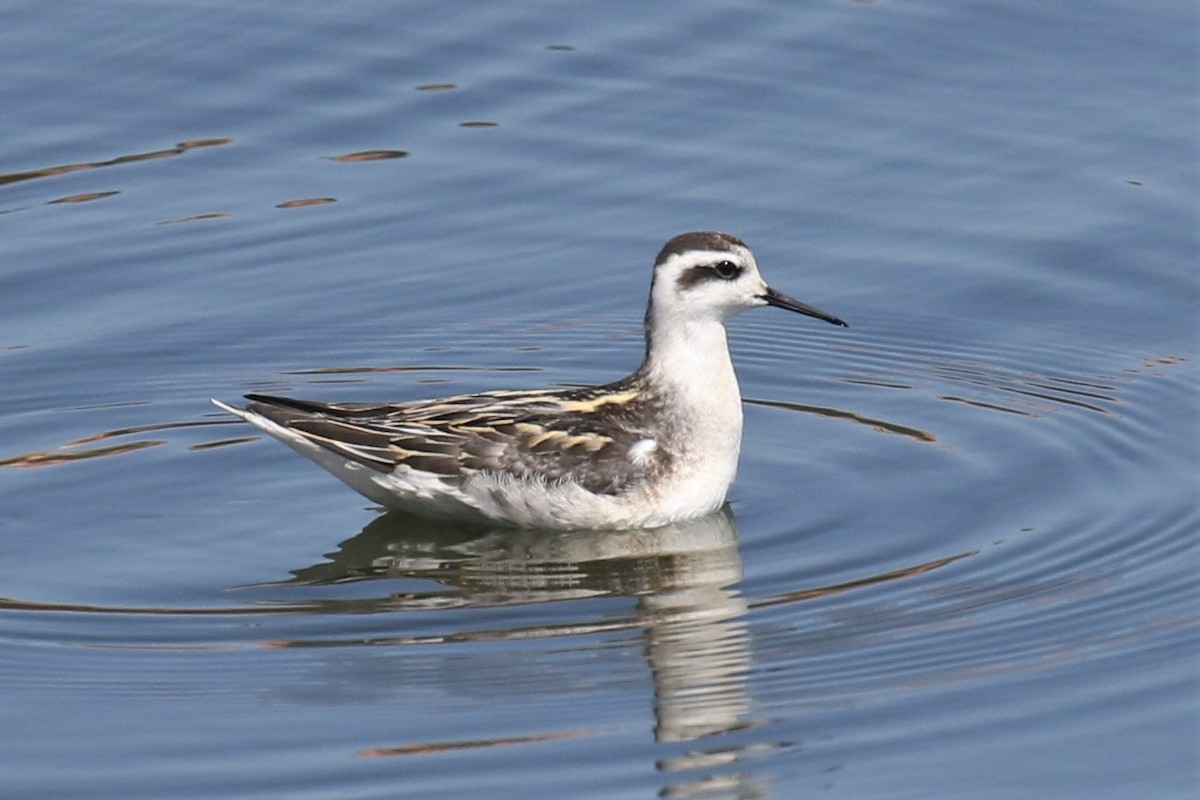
[(690, 359), (687, 360)]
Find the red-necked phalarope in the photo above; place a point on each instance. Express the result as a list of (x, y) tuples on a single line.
[(654, 448)]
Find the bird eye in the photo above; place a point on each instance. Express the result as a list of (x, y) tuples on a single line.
[(727, 270)]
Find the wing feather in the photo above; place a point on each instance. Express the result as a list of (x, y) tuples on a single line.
[(582, 436)]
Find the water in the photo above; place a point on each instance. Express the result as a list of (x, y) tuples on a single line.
[(960, 558)]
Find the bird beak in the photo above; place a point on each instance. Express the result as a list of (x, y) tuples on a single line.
[(779, 300)]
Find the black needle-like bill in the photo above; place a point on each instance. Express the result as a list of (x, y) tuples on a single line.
[(780, 300)]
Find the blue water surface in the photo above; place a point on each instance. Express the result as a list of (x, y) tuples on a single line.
[(961, 556)]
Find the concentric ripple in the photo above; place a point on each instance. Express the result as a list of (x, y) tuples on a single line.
[(741, 632)]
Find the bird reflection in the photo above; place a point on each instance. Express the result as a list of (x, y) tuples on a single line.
[(692, 619), (690, 616)]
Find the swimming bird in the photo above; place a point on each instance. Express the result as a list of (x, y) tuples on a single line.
[(650, 449)]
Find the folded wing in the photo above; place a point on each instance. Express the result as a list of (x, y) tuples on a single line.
[(594, 437)]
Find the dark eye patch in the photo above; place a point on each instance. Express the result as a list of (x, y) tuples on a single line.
[(722, 270)]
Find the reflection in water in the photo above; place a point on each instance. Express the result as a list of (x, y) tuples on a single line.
[(50, 172), (352, 370), (974, 382), (304, 202), (197, 217), (1018, 391), (86, 197), (76, 451), (437, 748), (63, 456), (696, 639), (485, 566), (698, 648), (370, 155), (880, 425)]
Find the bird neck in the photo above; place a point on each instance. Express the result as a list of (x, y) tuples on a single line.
[(689, 358)]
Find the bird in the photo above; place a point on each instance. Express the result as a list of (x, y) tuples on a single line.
[(654, 448)]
